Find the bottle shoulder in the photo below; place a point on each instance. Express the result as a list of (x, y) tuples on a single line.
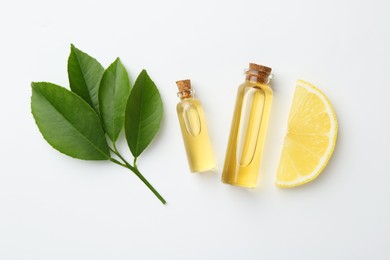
[(189, 101), (252, 86)]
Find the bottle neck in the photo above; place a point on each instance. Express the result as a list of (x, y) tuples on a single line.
[(258, 77), (185, 94)]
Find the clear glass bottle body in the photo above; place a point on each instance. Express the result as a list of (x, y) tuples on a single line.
[(247, 134), (195, 135)]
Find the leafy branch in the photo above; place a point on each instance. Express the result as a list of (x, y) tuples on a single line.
[(100, 104)]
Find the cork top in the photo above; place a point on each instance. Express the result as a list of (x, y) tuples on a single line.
[(258, 73), (185, 90), (260, 68)]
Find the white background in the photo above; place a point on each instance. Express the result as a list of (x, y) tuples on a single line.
[(56, 207)]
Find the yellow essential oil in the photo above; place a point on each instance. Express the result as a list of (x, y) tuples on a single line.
[(194, 131), (248, 129)]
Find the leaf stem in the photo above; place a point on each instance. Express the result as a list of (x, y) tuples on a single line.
[(135, 170), (135, 162), (118, 162), (115, 150)]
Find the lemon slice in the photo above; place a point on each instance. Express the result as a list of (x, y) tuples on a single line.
[(310, 139)]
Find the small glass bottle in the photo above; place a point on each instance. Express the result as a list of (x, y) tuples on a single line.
[(193, 127), (248, 128)]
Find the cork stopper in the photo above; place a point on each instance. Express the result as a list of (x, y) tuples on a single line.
[(261, 68), (259, 73), (185, 90)]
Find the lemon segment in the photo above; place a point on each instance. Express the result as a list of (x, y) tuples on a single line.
[(310, 139)]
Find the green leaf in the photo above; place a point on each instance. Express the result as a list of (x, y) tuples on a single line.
[(143, 114), (84, 74), (67, 122), (113, 94)]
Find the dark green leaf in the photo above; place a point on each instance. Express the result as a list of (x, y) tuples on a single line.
[(67, 122), (84, 74), (143, 114), (113, 94)]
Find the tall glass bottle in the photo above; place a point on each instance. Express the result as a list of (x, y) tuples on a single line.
[(194, 131), (248, 128)]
